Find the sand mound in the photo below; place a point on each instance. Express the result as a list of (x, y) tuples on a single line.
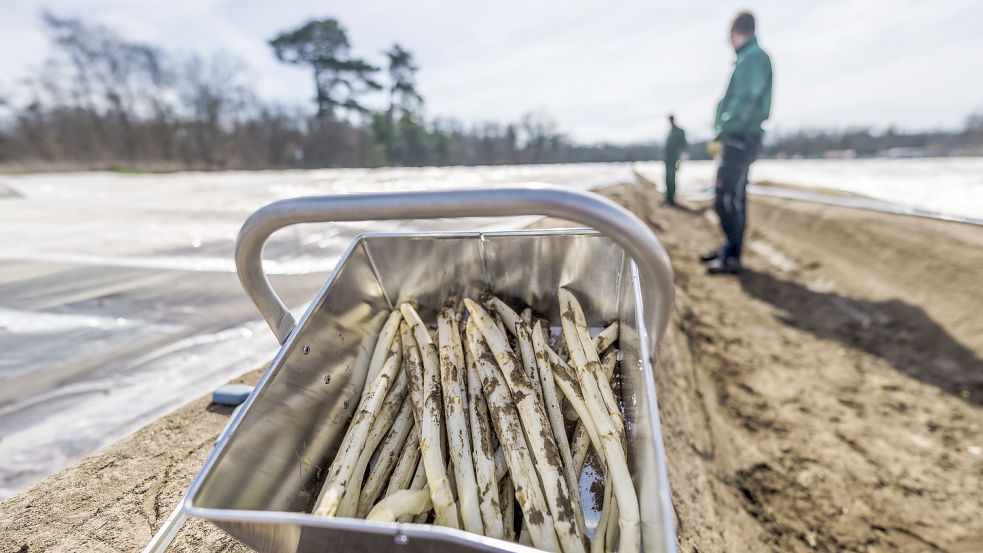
[(829, 398)]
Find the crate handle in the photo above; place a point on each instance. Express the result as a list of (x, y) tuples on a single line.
[(586, 208)]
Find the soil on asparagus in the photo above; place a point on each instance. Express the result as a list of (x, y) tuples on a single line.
[(830, 398)]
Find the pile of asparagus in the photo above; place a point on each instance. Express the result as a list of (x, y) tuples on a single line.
[(464, 422)]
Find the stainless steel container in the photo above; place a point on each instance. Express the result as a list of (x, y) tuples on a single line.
[(260, 482)]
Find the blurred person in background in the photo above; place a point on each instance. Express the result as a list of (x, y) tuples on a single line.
[(745, 106), (674, 147)]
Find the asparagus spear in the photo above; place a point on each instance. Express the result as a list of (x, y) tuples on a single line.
[(400, 503), (458, 434), (506, 494), (430, 429), (406, 466), (387, 459), (380, 427), (593, 360), (484, 453), (581, 440), (606, 337), (383, 344), (555, 413), (343, 467)]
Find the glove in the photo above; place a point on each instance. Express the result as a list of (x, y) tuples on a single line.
[(714, 147)]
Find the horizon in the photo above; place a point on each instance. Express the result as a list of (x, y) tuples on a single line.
[(490, 64)]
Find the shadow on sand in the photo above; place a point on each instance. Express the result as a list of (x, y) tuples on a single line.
[(897, 332)]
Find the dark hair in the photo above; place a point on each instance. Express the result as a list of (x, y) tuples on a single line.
[(743, 23), (672, 117)]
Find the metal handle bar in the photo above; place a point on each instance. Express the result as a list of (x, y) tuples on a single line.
[(585, 208)]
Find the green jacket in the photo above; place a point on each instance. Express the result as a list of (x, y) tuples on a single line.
[(747, 102), (675, 143)]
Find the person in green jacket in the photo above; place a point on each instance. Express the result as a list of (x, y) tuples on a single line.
[(745, 106), (675, 145)]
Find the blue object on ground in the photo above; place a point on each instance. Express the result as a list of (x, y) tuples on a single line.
[(231, 394)]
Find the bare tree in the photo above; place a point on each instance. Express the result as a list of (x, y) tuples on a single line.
[(540, 136), (108, 75), (212, 93)]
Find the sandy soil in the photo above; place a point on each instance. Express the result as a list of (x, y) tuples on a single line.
[(828, 399), (114, 500)]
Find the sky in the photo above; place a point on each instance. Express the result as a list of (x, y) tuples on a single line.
[(605, 71)]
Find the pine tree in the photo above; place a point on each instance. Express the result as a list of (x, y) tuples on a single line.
[(339, 78)]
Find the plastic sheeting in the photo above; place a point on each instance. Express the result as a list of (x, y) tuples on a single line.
[(119, 300)]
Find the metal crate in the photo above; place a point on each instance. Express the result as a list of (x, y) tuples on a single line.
[(261, 480)]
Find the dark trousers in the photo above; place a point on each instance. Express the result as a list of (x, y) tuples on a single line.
[(671, 166), (731, 191)]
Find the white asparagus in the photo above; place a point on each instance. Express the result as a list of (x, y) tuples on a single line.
[(506, 494), (526, 316), (386, 337), (615, 457), (419, 483), (458, 344), (380, 427), (400, 503), (580, 447), (555, 413), (608, 363), (413, 367), (524, 537), (607, 337), (568, 383), (430, 429), (611, 533), (505, 312), (537, 430), (455, 417), (581, 440), (405, 467), (419, 477), (389, 453), (484, 453), (501, 468), (451, 479), (444, 428), (506, 421), (528, 357), (343, 466), (593, 359), (560, 347)]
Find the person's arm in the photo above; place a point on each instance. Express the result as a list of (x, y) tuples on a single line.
[(752, 84)]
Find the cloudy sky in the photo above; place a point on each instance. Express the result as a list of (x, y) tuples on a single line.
[(604, 70)]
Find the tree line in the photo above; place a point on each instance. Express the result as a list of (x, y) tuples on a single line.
[(892, 142), (101, 100)]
